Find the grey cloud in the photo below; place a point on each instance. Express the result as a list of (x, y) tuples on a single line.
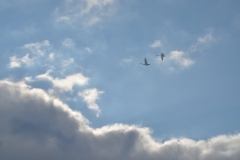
[(34, 125)]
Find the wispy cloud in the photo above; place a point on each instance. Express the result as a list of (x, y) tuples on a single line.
[(127, 60), (17, 62), (156, 44), (181, 59), (14, 62), (37, 48), (47, 121), (88, 49), (68, 43), (205, 39), (87, 12), (68, 62), (90, 96), (36, 51), (201, 42)]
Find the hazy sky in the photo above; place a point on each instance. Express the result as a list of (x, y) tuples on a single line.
[(72, 86)]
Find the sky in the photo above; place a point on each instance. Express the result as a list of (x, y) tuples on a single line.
[(72, 86)]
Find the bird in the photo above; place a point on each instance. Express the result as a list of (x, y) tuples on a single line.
[(145, 62), (162, 55)]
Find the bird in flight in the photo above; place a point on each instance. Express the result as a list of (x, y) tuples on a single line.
[(162, 55), (145, 62)]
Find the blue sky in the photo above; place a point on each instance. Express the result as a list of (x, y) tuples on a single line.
[(87, 54)]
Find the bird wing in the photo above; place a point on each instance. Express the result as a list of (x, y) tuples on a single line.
[(145, 60)]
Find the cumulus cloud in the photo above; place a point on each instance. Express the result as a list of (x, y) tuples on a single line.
[(35, 125), (155, 44), (65, 84), (90, 96)]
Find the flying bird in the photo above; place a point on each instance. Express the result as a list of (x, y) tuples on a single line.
[(162, 55), (145, 62)]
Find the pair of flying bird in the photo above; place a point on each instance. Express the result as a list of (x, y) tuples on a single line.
[(146, 63)]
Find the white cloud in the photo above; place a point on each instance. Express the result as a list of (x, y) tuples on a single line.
[(68, 62), (36, 126), (51, 56), (37, 48), (28, 79), (127, 60), (26, 59), (85, 12), (88, 49), (68, 43), (14, 62), (205, 39), (63, 19), (89, 5), (17, 62), (90, 96), (201, 42), (65, 84), (91, 21), (180, 58), (155, 44)]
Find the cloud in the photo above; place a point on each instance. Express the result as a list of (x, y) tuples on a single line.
[(65, 84), (68, 62), (37, 48), (155, 44), (33, 50), (88, 49), (90, 96), (68, 43), (14, 62), (202, 41), (180, 58), (17, 62), (63, 19), (87, 12), (205, 39), (90, 5), (35, 125), (127, 60), (51, 56), (175, 60)]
